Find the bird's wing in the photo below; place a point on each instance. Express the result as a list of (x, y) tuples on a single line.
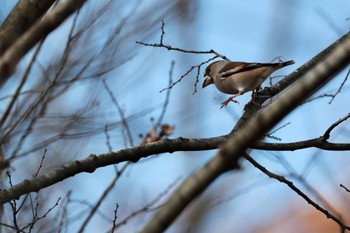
[(237, 67)]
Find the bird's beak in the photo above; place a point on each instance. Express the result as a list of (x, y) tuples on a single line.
[(207, 81)]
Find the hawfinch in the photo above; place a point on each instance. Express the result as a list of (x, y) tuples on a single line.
[(237, 78)]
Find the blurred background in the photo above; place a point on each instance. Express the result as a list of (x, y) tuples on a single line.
[(95, 54)]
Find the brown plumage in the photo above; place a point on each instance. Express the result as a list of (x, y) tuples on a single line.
[(237, 78)]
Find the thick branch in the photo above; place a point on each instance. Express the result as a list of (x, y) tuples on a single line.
[(22, 17), (93, 162), (39, 30)]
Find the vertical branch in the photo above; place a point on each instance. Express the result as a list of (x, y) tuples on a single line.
[(166, 102), (121, 112)]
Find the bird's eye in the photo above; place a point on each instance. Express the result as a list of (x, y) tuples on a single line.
[(207, 70)]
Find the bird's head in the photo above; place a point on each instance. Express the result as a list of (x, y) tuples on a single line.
[(210, 72)]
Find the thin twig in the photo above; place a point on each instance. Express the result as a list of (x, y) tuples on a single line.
[(326, 135), (115, 217), (345, 188), (121, 112), (169, 47), (30, 225), (102, 198), (40, 164), (108, 138), (327, 95), (189, 71), (148, 207), (21, 84), (167, 97), (282, 179), (270, 135), (340, 87)]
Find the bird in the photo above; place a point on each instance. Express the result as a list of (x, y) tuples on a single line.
[(237, 78)]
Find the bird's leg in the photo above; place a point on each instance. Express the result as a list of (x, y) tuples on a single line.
[(225, 103)]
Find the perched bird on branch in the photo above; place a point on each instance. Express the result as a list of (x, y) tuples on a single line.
[(237, 78)]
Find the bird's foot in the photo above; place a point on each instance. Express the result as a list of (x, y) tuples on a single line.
[(225, 103)]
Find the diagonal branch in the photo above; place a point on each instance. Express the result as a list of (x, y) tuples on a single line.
[(39, 30), (21, 18), (290, 184)]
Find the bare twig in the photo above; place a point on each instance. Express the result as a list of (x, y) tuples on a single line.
[(21, 84), (63, 220), (121, 112), (317, 97), (13, 205), (167, 97), (346, 189), (290, 184), (318, 196), (41, 100), (327, 95), (102, 198), (115, 217), (108, 143), (89, 206), (169, 47), (326, 135), (118, 173), (269, 135), (40, 164), (340, 87), (149, 206), (330, 21), (189, 71), (31, 225)]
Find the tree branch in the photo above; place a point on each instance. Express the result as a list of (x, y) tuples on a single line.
[(21, 18), (39, 30), (134, 154), (290, 184)]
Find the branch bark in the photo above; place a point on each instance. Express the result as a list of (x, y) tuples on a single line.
[(22, 17), (135, 153), (39, 30)]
